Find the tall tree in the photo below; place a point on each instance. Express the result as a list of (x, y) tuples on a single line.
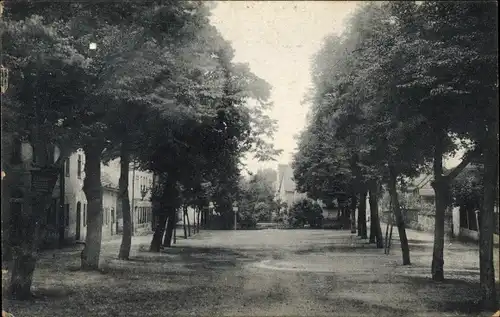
[(45, 71)]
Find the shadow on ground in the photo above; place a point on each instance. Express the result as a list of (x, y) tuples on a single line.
[(354, 248), (452, 295)]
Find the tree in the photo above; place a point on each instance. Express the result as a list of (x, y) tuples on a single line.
[(256, 201), (455, 69), (210, 139), (77, 96), (306, 212), (443, 55), (44, 76)]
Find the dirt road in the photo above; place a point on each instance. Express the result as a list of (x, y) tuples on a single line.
[(259, 273)]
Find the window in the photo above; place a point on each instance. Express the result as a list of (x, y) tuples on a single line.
[(66, 167), (84, 215), (79, 167), (66, 215)]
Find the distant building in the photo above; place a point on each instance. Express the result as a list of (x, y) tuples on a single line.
[(74, 214), (286, 187), (140, 183)]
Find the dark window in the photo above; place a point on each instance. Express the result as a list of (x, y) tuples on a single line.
[(66, 215), (66, 167), (463, 218), (79, 166), (472, 219), (84, 215)]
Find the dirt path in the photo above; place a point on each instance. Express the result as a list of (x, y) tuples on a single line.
[(256, 273)]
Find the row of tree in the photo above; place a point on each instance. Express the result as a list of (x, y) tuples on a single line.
[(151, 83), (405, 85)]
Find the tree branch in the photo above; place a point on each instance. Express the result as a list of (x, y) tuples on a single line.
[(466, 159)]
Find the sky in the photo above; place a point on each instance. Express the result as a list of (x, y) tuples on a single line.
[(278, 39)]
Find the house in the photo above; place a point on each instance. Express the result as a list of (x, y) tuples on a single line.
[(74, 214), (419, 203), (75, 217), (285, 186)]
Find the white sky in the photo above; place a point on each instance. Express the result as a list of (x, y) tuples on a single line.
[(278, 39)]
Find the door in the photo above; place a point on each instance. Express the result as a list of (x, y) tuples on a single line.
[(78, 220)]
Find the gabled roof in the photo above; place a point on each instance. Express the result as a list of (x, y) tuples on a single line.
[(285, 178)]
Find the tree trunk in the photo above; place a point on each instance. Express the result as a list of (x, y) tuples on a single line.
[(354, 203), (158, 234), (184, 225), (124, 202), (362, 215), (93, 191), (175, 227), (170, 229), (25, 218), (347, 218), (487, 220), (62, 206), (24, 252), (199, 219), (202, 217), (22, 269), (359, 225), (440, 185), (188, 222), (373, 200), (194, 222), (372, 239), (405, 249)]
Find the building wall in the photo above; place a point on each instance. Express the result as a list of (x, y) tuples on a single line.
[(76, 201)]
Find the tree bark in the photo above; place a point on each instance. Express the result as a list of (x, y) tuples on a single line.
[(440, 185), (175, 228), (198, 216), (362, 230), (405, 249), (169, 229), (202, 217), (124, 202), (26, 222), (487, 221), (93, 191), (24, 252), (373, 201), (158, 234), (372, 239), (354, 203), (184, 225), (358, 224), (188, 222), (194, 222)]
